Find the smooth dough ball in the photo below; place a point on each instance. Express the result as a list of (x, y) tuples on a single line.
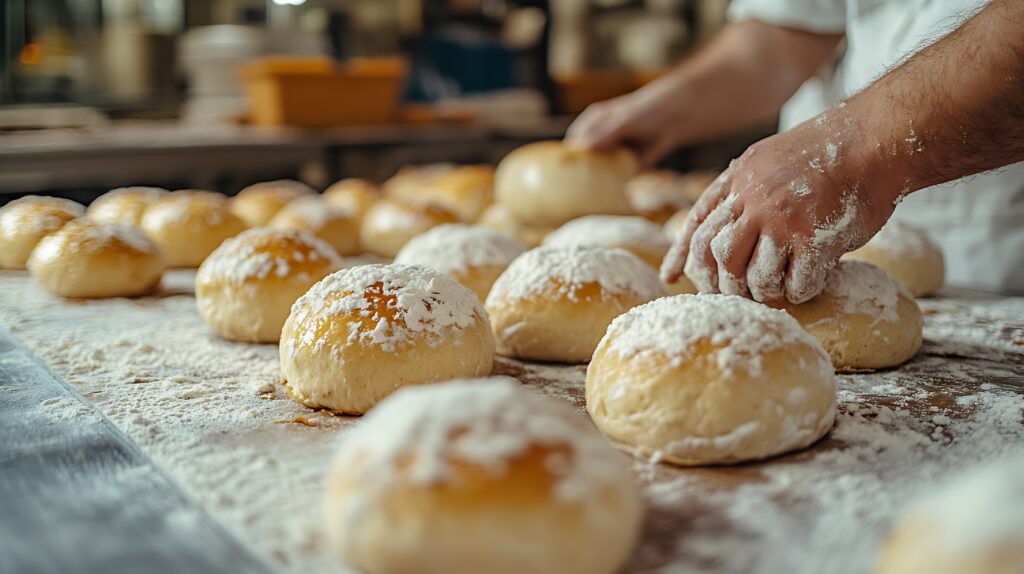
[(89, 259), (353, 194), (974, 524), (362, 333), (466, 191), (411, 179), (480, 476), (189, 225), (908, 254), (657, 194), (555, 303), (25, 221), (337, 226), (498, 217), (546, 184), (245, 289), (125, 205), (635, 234), (390, 224), (474, 256), (863, 318), (260, 202), (710, 379)]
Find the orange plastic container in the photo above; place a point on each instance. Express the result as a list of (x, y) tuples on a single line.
[(320, 92)]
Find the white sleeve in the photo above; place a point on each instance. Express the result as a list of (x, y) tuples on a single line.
[(825, 16)]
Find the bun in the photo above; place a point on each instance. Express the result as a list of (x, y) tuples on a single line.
[(694, 183), (908, 254), (635, 234), (478, 476), (710, 379), (336, 226), (465, 191), (546, 184), (657, 194), (499, 218), (554, 303), (411, 179), (390, 224), (361, 333), (257, 204), (88, 259), (474, 256), (675, 223), (125, 205), (245, 289), (189, 225), (25, 221), (354, 195)]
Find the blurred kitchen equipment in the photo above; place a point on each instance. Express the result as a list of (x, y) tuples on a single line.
[(211, 57)]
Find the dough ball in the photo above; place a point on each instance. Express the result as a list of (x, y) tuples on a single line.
[(498, 217), (695, 182), (337, 226), (974, 524), (675, 223), (89, 259), (189, 225), (363, 332), (554, 303), (710, 379), (245, 289), (260, 202), (474, 256), (657, 194), (480, 476), (863, 318), (25, 221), (125, 205), (390, 224), (354, 195), (411, 179), (908, 254), (548, 183), (466, 191), (635, 234)]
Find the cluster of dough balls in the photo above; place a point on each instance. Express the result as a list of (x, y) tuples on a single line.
[(257, 204), (658, 194), (480, 476), (26, 221), (389, 224), (188, 225), (125, 205), (353, 195), (907, 253), (465, 191)]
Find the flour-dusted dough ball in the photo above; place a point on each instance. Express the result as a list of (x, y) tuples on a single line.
[(710, 379), (908, 254), (480, 476), (25, 221), (88, 259), (657, 194), (474, 256), (260, 202), (675, 223), (353, 194), (863, 318), (245, 289), (390, 224), (554, 303), (466, 191), (498, 217), (635, 234), (337, 226), (363, 332), (546, 184), (974, 524), (189, 225), (125, 205)]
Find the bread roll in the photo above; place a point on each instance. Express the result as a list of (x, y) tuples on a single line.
[(465, 191), (545, 184), (480, 476), (89, 259), (245, 289), (362, 333), (710, 379), (189, 225), (337, 226), (863, 318), (390, 224), (411, 179), (554, 303), (907, 253), (354, 195), (257, 204), (635, 234), (499, 218), (675, 223), (657, 194), (474, 256), (694, 183), (25, 221), (125, 205)]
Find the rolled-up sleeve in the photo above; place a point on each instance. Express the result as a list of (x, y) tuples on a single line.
[(823, 16)]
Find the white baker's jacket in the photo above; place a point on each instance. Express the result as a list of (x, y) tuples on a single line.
[(978, 221)]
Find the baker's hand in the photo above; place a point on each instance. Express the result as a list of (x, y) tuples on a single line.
[(773, 224)]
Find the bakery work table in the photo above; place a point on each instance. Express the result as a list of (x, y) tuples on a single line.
[(212, 415)]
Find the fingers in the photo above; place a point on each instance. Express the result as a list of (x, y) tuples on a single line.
[(674, 262), (701, 267), (598, 127), (766, 273), (732, 249), (806, 275)]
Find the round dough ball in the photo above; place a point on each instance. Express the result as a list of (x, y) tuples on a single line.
[(260, 202), (354, 195), (974, 524), (25, 221), (908, 254), (863, 318), (498, 217), (635, 234), (125, 205), (88, 259), (657, 194), (555, 303), (337, 226), (474, 256), (362, 333), (411, 179), (695, 182), (466, 191), (478, 476), (189, 225), (675, 223), (546, 184), (710, 379), (390, 224), (245, 289)]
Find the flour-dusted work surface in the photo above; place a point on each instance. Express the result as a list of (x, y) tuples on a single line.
[(212, 414)]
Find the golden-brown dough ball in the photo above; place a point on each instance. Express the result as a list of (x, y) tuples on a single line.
[(188, 225), (907, 253), (466, 191), (125, 205), (260, 202), (25, 221), (390, 224), (353, 194), (337, 226), (498, 217), (657, 194)]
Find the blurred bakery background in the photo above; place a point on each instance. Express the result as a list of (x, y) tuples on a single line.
[(218, 94)]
